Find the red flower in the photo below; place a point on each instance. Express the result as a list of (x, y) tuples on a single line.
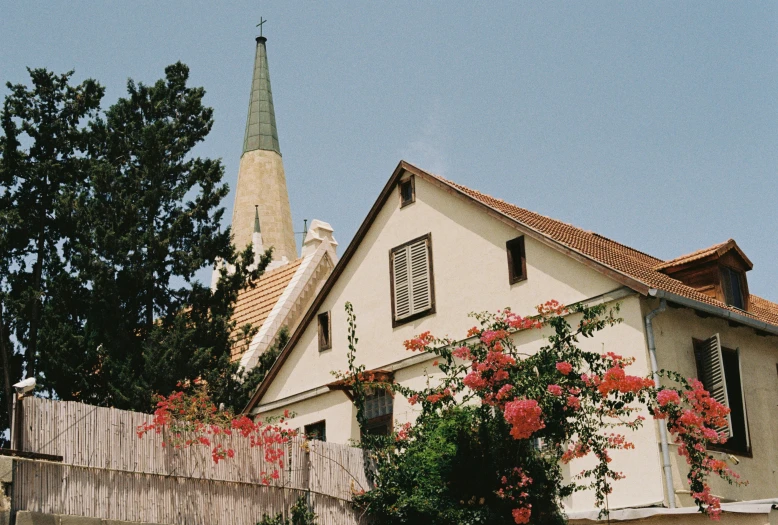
[(521, 515), (525, 417), (573, 402), (564, 367), (667, 396)]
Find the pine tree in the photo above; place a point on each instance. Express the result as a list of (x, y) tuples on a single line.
[(105, 220), (148, 221), (41, 164)]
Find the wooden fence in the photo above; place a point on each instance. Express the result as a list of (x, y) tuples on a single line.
[(108, 472)]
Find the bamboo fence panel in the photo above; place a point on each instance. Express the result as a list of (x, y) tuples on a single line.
[(108, 472)]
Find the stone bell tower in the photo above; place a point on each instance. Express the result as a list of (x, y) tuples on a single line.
[(261, 188)]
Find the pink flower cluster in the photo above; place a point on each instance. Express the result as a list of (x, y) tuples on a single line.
[(514, 489), (525, 417)]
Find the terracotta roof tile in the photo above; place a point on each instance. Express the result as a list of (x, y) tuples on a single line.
[(616, 256), (254, 304), (694, 256)]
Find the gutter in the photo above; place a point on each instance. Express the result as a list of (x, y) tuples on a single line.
[(666, 465), (715, 310)]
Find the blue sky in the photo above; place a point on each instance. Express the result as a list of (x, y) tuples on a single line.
[(653, 124)]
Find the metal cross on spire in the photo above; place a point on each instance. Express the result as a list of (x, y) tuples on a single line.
[(259, 25)]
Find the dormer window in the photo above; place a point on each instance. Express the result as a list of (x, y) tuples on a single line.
[(718, 272), (732, 286)]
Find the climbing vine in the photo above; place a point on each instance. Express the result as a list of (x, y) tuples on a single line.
[(498, 429), (188, 418)]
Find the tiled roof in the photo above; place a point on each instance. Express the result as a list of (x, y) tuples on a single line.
[(764, 309), (721, 248), (694, 256), (255, 304), (624, 260), (608, 255)]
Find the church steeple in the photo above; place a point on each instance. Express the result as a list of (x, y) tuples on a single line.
[(261, 131), (261, 195)]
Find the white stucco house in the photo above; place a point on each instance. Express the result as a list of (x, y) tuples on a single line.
[(431, 251)]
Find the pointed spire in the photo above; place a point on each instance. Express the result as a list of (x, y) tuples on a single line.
[(256, 219), (261, 132)]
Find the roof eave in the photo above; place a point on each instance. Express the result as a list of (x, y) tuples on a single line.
[(717, 311)]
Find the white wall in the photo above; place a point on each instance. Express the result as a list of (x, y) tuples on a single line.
[(674, 330), (470, 274)]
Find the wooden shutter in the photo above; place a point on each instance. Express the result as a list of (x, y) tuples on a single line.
[(420, 276), (713, 378), (412, 279), (402, 284)]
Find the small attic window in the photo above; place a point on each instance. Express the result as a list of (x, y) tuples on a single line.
[(407, 192), (732, 286), (325, 331), (517, 260)]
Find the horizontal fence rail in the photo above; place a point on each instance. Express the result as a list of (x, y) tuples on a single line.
[(108, 472)]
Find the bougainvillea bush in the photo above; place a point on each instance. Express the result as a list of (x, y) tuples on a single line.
[(188, 418), (497, 430)]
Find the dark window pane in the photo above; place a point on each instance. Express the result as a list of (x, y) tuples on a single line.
[(738, 441), (737, 292), (316, 431), (517, 264), (324, 331), (406, 192)]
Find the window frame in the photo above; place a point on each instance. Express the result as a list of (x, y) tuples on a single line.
[(412, 182), (324, 343), (726, 274), (384, 421), (727, 447), (517, 244), (323, 424), (432, 308)]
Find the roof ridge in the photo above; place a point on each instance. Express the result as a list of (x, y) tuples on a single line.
[(695, 253)]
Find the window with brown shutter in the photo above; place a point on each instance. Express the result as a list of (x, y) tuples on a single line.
[(411, 279), (719, 370)]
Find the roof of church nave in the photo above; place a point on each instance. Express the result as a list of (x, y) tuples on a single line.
[(255, 304)]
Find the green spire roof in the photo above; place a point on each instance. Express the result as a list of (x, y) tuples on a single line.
[(261, 132)]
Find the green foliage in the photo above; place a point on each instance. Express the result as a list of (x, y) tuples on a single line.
[(240, 394), (105, 219), (447, 474), (42, 164), (499, 427), (300, 514)]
